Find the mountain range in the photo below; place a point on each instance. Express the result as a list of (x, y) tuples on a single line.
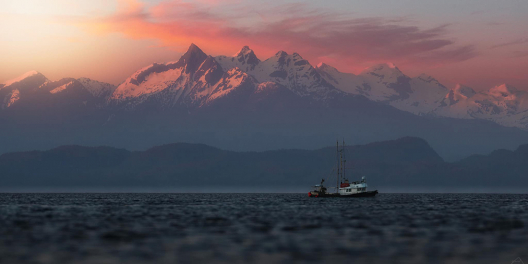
[(405, 164), (243, 103)]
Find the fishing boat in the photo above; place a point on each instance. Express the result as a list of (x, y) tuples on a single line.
[(343, 188)]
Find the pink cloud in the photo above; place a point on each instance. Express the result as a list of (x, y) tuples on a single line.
[(352, 43)]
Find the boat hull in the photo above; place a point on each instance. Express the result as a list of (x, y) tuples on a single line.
[(337, 195)]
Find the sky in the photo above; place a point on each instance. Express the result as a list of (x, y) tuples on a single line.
[(478, 43)]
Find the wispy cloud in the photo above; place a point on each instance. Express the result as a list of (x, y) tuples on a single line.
[(515, 42), (313, 33)]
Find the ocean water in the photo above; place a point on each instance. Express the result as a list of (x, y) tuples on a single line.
[(263, 228)]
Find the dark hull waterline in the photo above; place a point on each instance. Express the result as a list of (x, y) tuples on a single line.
[(337, 195)]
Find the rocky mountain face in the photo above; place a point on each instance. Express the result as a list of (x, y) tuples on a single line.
[(244, 103)]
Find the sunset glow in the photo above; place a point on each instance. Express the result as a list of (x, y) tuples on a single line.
[(109, 40)]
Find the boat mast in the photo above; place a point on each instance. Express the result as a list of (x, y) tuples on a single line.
[(341, 164), (337, 157), (344, 160)]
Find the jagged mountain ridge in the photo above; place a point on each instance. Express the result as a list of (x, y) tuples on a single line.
[(34, 91), (424, 95), (193, 81), (198, 79)]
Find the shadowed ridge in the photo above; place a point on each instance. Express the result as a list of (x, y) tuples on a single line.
[(182, 146), (192, 59), (79, 147), (522, 150), (404, 162), (406, 149)]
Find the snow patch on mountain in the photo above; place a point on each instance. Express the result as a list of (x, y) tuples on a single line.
[(296, 74), (61, 88), (232, 80), (504, 92), (425, 95), (457, 103), (346, 82), (383, 73), (266, 86), (186, 82), (380, 83), (46, 82), (12, 98), (501, 100), (138, 85), (385, 82), (96, 88)]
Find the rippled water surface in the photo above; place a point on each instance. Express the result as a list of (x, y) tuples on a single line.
[(262, 228)]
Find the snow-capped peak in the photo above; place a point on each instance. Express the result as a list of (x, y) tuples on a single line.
[(281, 54), (327, 68), (247, 56), (20, 78), (383, 68), (244, 51), (391, 65), (245, 59)]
